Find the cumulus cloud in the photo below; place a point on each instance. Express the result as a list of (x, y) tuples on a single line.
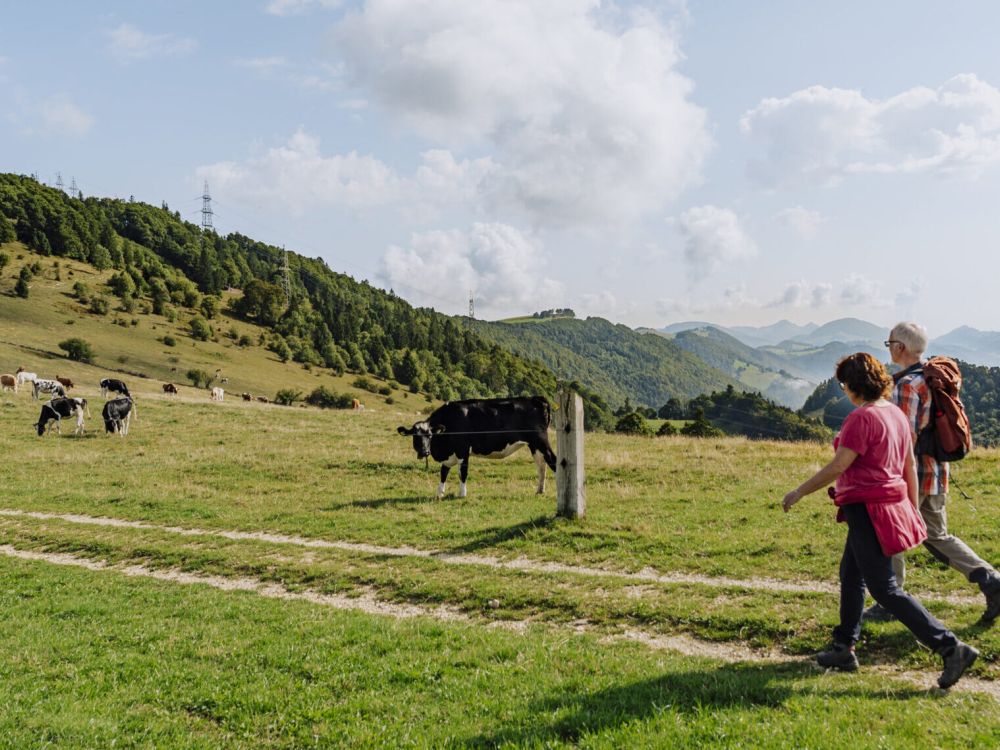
[(804, 294), (54, 116), (294, 7), (128, 44), (804, 222), (860, 291), (713, 237), (501, 266), (298, 176), (587, 116), (820, 135), (908, 299)]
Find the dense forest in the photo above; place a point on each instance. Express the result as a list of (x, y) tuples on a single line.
[(163, 262), (752, 415), (616, 361), (980, 386)]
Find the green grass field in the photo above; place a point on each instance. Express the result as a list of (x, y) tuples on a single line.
[(514, 643)]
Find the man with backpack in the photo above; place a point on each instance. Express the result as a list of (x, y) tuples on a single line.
[(913, 394)]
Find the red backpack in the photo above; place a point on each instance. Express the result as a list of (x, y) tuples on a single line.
[(947, 436)]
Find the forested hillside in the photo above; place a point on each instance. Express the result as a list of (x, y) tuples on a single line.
[(614, 360), (752, 415), (980, 395), (163, 263)]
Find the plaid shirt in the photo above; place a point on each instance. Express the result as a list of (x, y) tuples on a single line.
[(912, 395)]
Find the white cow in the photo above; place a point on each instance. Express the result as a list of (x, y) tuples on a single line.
[(218, 394), (23, 376), (47, 386)]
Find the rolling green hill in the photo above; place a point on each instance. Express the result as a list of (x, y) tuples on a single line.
[(776, 377), (614, 360)]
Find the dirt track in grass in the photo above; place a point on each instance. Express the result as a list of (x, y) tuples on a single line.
[(520, 563), (364, 601)]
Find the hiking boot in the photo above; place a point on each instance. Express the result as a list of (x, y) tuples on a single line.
[(956, 660), (992, 605), (877, 613), (839, 656)]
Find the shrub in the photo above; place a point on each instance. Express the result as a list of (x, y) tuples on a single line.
[(701, 427), (199, 378), (4, 260), (200, 329), (99, 304), (384, 390), (633, 423), (287, 396), (169, 341), (324, 398), (21, 288), (244, 342), (81, 291), (666, 430), (390, 400), (365, 384), (77, 349)]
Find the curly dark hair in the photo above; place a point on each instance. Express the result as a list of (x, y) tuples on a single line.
[(865, 376)]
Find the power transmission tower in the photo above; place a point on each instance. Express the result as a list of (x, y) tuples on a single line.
[(472, 305), (59, 182), (74, 191), (206, 210), (287, 276)]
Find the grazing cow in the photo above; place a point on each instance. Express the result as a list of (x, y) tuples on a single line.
[(23, 376), (117, 414), (170, 388), (247, 397), (66, 382), (218, 394), (8, 382), (54, 387), (493, 428), (58, 408), (115, 386), (263, 399)]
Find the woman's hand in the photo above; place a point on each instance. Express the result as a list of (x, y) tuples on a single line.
[(790, 499)]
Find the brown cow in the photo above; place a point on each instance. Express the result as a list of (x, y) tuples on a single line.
[(8, 381), (247, 397), (263, 399), (170, 388), (67, 383)]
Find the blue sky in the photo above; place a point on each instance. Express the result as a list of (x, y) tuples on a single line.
[(727, 161)]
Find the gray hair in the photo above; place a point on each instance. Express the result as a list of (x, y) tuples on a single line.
[(910, 335)]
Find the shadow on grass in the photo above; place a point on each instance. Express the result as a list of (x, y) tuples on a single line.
[(491, 537), (391, 501), (571, 716)]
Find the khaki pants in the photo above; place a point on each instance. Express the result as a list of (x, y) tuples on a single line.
[(946, 547)]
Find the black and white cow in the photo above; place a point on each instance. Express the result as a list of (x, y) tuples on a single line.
[(493, 428), (58, 409), (115, 386), (117, 414), (53, 387)]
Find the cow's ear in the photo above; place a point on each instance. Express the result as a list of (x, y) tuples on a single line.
[(438, 428), (404, 430)]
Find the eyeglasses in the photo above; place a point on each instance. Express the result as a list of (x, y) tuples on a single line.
[(890, 342), (842, 386)]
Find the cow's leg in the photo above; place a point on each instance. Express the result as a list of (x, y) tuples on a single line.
[(445, 468), (540, 464), (463, 475), (125, 423)]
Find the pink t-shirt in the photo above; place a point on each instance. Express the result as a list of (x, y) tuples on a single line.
[(880, 435)]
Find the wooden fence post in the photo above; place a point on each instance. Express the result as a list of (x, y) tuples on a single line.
[(570, 496)]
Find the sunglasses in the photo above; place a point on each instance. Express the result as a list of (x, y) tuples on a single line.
[(890, 342)]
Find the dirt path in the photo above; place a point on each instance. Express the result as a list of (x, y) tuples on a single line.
[(647, 575), (365, 601)]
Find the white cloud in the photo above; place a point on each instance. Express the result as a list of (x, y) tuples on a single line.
[(819, 135), (500, 265), (713, 237), (300, 177), (804, 222), (263, 64), (306, 75), (908, 299), (128, 43), (55, 116), (860, 291), (588, 117), (804, 294), (294, 7)]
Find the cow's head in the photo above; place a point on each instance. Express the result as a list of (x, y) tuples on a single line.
[(422, 433)]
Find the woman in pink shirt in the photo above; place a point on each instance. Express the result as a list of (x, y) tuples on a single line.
[(876, 495)]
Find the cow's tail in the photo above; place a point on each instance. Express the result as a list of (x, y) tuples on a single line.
[(135, 409)]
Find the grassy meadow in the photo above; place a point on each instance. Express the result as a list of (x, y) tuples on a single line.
[(534, 654)]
